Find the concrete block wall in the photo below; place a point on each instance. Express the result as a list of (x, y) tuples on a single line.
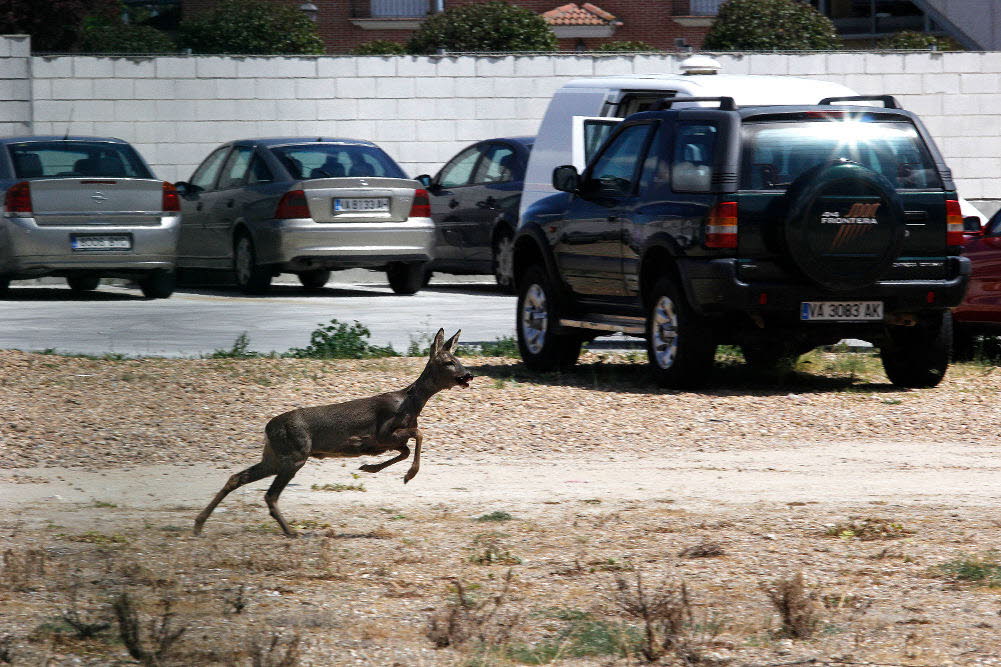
[(15, 84), (422, 110)]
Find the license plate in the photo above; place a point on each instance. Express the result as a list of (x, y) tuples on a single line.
[(841, 310), (101, 242), (361, 204)]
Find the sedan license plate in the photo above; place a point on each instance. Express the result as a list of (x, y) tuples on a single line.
[(841, 310), (101, 241), (365, 204)]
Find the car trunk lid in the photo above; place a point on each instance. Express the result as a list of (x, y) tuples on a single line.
[(97, 201), (354, 199)]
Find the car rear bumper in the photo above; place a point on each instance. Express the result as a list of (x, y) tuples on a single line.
[(716, 287), (301, 244), (28, 249)]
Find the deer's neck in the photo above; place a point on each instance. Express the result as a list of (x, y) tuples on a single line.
[(420, 392)]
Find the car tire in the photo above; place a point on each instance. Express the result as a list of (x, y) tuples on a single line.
[(4, 285), (251, 278), (681, 346), (918, 356), (158, 284), (503, 260), (406, 277), (83, 283), (964, 343), (314, 279), (541, 348)]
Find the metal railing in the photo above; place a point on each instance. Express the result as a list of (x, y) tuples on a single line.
[(377, 9), (705, 7)]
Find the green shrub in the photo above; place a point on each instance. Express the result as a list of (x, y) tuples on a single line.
[(339, 340), (497, 515), (125, 38), (913, 40), (505, 346), (492, 26), (379, 47), (250, 27), (625, 46), (238, 351), (766, 25), (984, 569)]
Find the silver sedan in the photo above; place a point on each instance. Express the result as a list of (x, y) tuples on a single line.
[(261, 207)]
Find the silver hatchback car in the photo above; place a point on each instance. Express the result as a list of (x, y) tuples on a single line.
[(84, 208), (261, 207)]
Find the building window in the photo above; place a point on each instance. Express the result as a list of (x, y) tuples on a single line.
[(705, 7), (399, 8)]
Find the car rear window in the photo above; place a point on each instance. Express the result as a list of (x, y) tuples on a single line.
[(75, 159), (775, 154), (336, 160)]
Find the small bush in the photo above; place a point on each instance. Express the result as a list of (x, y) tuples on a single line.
[(125, 38), (795, 606), (868, 529), (250, 27), (339, 340), (492, 551), (379, 47), (275, 650), (238, 351), (704, 550), (669, 625), (913, 40), (766, 25), (153, 646), (490, 26), (498, 515), (582, 637), (626, 47), (464, 620), (984, 569), (505, 346)]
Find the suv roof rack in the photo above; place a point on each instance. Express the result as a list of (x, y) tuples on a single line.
[(725, 103), (889, 101)]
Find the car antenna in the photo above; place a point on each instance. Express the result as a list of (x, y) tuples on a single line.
[(66, 135)]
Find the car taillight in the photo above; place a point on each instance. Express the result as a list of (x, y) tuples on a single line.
[(421, 208), (292, 205), (18, 198), (170, 200), (953, 223), (721, 227)]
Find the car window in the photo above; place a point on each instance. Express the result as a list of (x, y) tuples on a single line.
[(499, 165), (459, 170), (617, 165), (691, 166), (259, 172), (993, 226), (205, 176), (595, 134), (73, 159), (775, 154), (333, 160), (234, 171)]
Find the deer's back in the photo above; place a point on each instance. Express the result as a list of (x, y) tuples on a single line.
[(341, 429)]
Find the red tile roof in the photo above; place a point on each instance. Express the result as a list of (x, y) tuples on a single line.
[(586, 14)]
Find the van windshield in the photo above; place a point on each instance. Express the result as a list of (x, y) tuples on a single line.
[(776, 154), (336, 160), (75, 159)]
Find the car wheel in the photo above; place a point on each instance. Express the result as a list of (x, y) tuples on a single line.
[(158, 284), (918, 356), (4, 284), (314, 279), (680, 343), (541, 348), (83, 283), (406, 277), (251, 277), (504, 260)]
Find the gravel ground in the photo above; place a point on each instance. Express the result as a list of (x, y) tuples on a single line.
[(885, 500)]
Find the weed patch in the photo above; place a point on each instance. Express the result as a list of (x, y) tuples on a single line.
[(498, 515), (338, 487), (795, 606), (984, 569), (872, 528), (339, 340)]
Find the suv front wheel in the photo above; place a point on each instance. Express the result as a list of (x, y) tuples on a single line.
[(918, 356), (541, 348), (680, 343)]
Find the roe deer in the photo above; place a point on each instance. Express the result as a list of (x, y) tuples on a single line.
[(364, 426)]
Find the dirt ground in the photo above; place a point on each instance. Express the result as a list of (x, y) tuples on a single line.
[(579, 519)]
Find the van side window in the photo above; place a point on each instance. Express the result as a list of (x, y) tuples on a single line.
[(617, 168), (694, 147)]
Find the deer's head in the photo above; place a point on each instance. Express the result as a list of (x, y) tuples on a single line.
[(444, 367)]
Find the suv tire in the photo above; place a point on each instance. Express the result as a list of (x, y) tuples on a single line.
[(406, 277), (251, 277), (680, 343), (541, 348), (918, 356), (314, 278), (158, 284)]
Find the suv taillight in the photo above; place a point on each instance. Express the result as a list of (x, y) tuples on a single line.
[(721, 227), (292, 205), (18, 198), (421, 208), (953, 223), (170, 200)]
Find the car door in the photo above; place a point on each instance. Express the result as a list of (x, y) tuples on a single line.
[(589, 244), (196, 202), (226, 207), (983, 296), (453, 203), (497, 179)]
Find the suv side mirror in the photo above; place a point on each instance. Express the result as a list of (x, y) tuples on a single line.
[(566, 178), (425, 180), (971, 225)]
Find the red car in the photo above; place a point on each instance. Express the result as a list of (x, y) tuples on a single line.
[(980, 312)]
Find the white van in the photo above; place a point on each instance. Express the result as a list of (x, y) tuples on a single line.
[(582, 113)]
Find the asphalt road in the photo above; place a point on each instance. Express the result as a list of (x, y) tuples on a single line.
[(195, 321)]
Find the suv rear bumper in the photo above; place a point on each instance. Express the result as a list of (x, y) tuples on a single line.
[(714, 287)]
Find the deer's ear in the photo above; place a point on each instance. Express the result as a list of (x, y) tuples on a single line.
[(450, 345), (439, 340)]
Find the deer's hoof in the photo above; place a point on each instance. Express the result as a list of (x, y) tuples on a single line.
[(368, 467)]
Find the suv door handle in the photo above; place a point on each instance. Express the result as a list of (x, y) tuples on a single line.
[(229, 204), (453, 203), (199, 206)]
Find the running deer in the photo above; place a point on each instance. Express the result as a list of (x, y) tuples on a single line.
[(364, 426)]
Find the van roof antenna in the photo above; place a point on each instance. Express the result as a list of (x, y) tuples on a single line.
[(66, 135)]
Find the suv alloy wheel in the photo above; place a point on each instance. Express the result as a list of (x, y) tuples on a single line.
[(541, 348), (680, 344)]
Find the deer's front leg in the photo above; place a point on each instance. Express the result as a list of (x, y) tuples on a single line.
[(416, 465), (376, 467)]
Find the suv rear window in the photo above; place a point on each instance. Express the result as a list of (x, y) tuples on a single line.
[(75, 159), (776, 154)]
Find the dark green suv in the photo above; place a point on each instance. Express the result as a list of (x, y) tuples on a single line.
[(775, 228)]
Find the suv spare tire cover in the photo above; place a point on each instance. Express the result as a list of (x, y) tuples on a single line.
[(845, 225)]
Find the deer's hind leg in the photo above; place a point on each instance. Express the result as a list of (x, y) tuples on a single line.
[(255, 472), (271, 497)]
